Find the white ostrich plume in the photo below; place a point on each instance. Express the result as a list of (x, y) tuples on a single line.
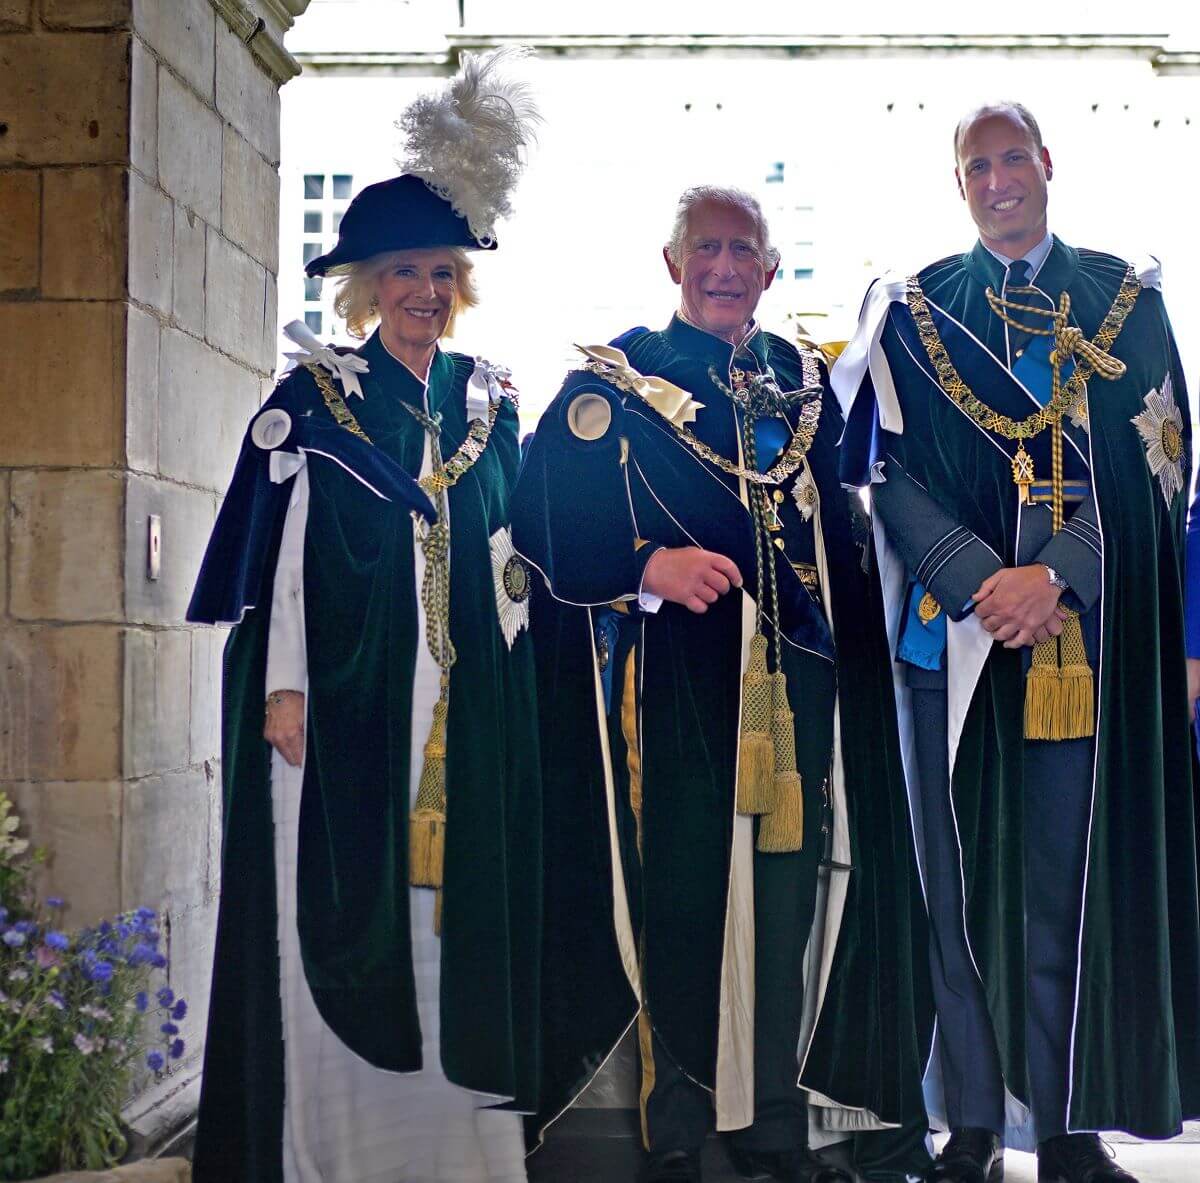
[(466, 142)]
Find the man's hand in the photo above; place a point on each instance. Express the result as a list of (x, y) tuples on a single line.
[(1019, 606), (284, 728), (1193, 671), (690, 576)]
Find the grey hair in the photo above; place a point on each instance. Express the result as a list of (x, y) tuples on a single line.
[(1019, 111), (737, 199)]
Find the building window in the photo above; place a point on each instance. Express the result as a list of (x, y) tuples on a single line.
[(312, 288), (312, 221), (775, 173), (341, 185), (314, 186), (311, 251), (313, 319), (802, 273), (337, 221)]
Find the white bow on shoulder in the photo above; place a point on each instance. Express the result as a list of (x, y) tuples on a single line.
[(346, 367)]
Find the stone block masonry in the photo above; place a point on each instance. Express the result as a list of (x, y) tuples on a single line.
[(139, 144)]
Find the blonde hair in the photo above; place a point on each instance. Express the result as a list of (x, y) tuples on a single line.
[(355, 301)]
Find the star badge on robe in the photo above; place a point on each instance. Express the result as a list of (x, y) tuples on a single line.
[(510, 573), (804, 493), (1161, 427)]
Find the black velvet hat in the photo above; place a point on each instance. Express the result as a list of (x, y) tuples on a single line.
[(463, 155), (396, 215)]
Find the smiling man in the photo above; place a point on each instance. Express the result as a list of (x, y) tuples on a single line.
[(1020, 414), (706, 740)]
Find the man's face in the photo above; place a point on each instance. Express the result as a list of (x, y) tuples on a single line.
[(1003, 176), (723, 271)]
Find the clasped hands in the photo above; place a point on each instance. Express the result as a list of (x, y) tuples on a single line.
[(1019, 606)]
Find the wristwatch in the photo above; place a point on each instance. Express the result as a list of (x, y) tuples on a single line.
[(1056, 579)]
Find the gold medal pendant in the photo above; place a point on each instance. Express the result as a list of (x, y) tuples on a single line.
[(1022, 471)]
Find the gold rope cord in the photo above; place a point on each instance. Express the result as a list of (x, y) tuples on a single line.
[(767, 782), (427, 821), (1059, 688)]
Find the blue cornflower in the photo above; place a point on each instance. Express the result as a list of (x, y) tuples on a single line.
[(25, 926), (13, 939), (98, 971), (155, 1061), (146, 914), (179, 1010), (165, 996), (158, 961), (3, 915), (57, 1000), (56, 902), (169, 1029), (140, 1000), (177, 1049), (142, 954), (124, 932), (58, 940), (105, 928)]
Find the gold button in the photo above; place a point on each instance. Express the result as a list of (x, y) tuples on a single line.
[(778, 496)]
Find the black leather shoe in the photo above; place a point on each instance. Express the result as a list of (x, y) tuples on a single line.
[(972, 1155), (1078, 1158), (675, 1166), (790, 1166)]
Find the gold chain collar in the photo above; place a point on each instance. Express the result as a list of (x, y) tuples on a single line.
[(802, 438), (453, 470), (1068, 339)]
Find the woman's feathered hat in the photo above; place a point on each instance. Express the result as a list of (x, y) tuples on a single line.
[(464, 150)]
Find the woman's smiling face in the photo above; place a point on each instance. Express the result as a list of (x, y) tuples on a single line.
[(417, 295)]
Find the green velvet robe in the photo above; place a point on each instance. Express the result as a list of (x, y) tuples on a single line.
[(579, 510), (1136, 1034), (361, 630)]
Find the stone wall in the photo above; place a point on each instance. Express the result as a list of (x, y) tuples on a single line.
[(139, 146)]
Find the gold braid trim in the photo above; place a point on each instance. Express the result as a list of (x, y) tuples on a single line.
[(1068, 339), (802, 437)]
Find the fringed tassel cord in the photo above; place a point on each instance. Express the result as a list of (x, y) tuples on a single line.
[(781, 831)]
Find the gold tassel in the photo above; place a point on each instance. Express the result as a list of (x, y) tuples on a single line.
[(1060, 688), (427, 823), (782, 829), (756, 749)]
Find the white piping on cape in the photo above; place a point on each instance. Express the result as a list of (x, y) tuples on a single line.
[(1087, 861)]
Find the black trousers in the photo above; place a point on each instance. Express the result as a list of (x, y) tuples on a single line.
[(679, 1111), (1057, 814)]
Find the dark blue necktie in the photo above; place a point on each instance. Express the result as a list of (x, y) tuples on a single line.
[(1017, 277)]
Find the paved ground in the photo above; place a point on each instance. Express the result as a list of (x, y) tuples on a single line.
[(571, 1156)]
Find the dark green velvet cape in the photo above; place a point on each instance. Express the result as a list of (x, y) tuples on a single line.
[(361, 627), (576, 518), (1136, 1060)]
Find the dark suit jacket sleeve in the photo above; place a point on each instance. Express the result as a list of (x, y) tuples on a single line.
[(1074, 552), (944, 556)]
